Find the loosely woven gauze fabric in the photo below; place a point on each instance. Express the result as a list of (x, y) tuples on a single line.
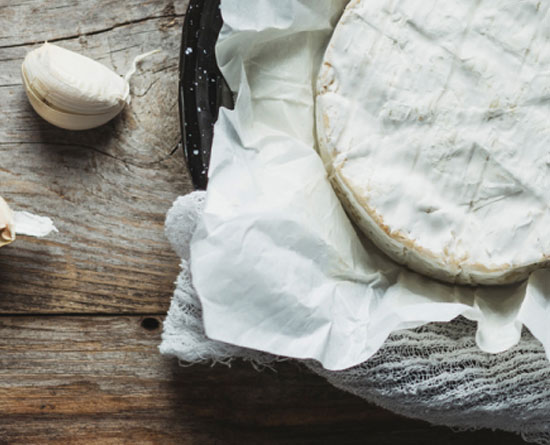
[(435, 373)]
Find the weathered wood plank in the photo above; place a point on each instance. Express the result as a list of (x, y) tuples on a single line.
[(98, 380), (107, 189), (30, 21)]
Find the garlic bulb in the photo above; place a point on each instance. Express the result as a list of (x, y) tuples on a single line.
[(72, 91), (7, 231)]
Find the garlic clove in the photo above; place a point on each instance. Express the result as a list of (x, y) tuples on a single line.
[(7, 230), (69, 121), (70, 90)]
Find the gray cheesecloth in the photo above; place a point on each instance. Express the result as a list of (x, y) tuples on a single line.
[(435, 373)]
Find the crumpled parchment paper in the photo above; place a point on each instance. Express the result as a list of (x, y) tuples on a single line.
[(275, 260)]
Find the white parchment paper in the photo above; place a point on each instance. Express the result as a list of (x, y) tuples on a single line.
[(275, 261)]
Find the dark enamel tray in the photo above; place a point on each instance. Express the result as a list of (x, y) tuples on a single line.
[(202, 88)]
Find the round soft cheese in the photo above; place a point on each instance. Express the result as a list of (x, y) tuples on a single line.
[(433, 120)]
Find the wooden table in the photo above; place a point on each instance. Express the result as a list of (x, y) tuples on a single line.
[(80, 311)]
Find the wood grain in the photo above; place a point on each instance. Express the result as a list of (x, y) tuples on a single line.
[(27, 22), (107, 189), (101, 380)]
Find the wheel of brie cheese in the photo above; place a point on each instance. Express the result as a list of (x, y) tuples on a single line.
[(433, 120)]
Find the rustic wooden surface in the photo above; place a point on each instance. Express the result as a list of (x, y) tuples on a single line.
[(78, 310)]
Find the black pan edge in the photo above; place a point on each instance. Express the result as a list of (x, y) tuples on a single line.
[(202, 88)]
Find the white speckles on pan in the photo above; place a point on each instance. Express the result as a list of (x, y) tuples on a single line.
[(434, 122)]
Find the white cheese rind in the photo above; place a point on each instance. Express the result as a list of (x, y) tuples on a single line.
[(433, 120)]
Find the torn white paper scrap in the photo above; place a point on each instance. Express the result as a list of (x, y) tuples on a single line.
[(33, 225)]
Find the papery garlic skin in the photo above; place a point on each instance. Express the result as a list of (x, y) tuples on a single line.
[(7, 230), (70, 90)]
